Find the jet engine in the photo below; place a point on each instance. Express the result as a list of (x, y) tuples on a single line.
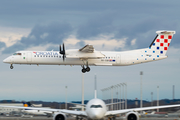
[(59, 116), (132, 116)]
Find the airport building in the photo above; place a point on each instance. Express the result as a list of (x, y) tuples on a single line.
[(7, 111)]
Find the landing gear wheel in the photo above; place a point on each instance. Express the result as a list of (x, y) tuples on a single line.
[(83, 70), (88, 69), (11, 66)]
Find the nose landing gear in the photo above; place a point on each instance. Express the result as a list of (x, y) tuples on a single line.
[(11, 67)]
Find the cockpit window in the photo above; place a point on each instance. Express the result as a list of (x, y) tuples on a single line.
[(96, 106), (17, 54)]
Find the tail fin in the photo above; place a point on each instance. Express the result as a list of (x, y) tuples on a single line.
[(161, 42), (95, 88), (28, 104)]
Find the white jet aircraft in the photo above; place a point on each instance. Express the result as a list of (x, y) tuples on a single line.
[(35, 112), (95, 109), (88, 56)]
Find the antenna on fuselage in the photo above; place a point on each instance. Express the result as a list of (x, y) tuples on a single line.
[(95, 87)]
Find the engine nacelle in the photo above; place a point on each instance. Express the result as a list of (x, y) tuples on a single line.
[(59, 116), (132, 116)]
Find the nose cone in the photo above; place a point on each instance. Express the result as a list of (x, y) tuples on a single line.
[(97, 115), (7, 60)]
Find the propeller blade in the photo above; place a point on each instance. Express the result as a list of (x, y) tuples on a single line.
[(60, 49), (63, 49)]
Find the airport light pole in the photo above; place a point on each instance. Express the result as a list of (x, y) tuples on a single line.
[(103, 93), (82, 92), (112, 97), (66, 98), (157, 97), (141, 73), (119, 96), (122, 95), (109, 97), (126, 96), (151, 98), (106, 95)]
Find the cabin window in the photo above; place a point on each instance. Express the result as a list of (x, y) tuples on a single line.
[(96, 106), (34, 55), (37, 55)]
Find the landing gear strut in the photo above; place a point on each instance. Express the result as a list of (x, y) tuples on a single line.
[(87, 69), (11, 67)]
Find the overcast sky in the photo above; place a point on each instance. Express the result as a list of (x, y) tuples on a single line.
[(116, 25)]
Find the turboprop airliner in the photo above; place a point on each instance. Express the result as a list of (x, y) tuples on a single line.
[(88, 56), (95, 109)]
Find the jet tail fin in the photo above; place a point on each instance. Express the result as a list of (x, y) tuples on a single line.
[(161, 42), (27, 104), (95, 89)]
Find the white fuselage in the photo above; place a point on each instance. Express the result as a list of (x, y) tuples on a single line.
[(109, 59), (34, 112), (96, 109)]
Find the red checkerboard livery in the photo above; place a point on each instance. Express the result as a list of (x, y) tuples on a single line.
[(88, 56)]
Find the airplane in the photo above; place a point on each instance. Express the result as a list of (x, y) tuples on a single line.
[(35, 112), (95, 109), (88, 56)]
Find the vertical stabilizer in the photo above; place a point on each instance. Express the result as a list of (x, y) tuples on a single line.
[(161, 42), (95, 87)]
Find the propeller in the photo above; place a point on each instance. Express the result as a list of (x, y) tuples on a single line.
[(62, 51)]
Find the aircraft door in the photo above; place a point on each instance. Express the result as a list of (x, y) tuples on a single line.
[(118, 59), (29, 57)]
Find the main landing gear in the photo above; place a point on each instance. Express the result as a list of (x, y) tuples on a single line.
[(87, 69), (11, 67)]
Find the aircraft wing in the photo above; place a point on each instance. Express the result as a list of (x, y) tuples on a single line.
[(87, 49), (87, 52), (72, 112), (109, 113)]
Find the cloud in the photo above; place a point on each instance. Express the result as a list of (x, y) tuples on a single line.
[(2, 45), (144, 32), (53, 33), (95, 27)]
